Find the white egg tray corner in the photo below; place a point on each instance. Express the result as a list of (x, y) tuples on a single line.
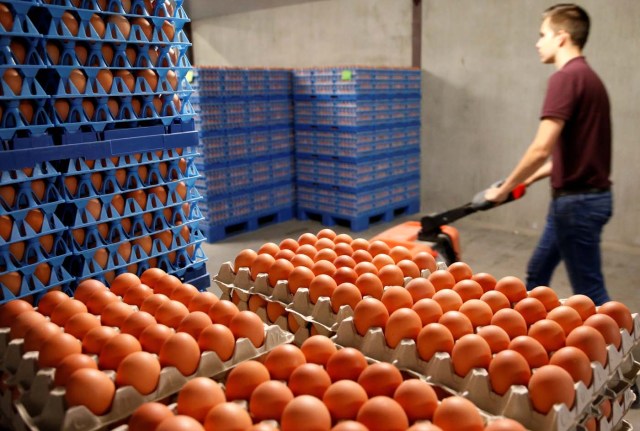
[(476, 387), (42, 406)]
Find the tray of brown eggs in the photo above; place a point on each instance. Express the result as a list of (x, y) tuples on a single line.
[(131, 341)]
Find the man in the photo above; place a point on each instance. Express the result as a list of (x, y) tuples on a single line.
[(573, 146)]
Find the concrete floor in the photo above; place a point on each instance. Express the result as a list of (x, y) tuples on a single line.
[(484, 248)]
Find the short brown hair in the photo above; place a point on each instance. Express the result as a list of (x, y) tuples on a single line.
[(570, 18)]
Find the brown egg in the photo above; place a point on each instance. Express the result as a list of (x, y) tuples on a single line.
[(309, 379), (590, 341), (345, 275), (136, 322), (383, 413), (425, 260), (302, 260), (456, 413), (222, 312), (567, 317), (618, 312), (24, 322), (279, 270), (98, 400), (511, 321), (582, 304), (122, 23), (53, 51), (96, 338), (169, 30), (381, 260), (369, 284), (508, 368), (140, 370), (12, 309), (442, 279), (38, 334), (79, 80), (417, 398), (99, 300), (396, 297), (105, 79), (433, 338), (391, 275), (65, 310), (136, 295), (55, 349), (107, 54), (347, 363), (184, 293), (274, 311), (219, 339), (148, 416), (246, 324), (153, 337), (321, 285), (114, 110), (344, 262), (549, 333), (495, 300), (180, 350), (71, 364), (171, 313), (551, 385), (116, 349), (495, 336), (470, 351), (448, 299), (362, 256), (305, 412), (70, 22), (380, 378), (428, 310), (115, 313), (457, 323), (487, 281), (261, 264), (531, 309), (6, 18), (244, 378), (377, 247), (81, 54), (344, 399), (575, 362), (35, 219), (512, 287), (282, 360), (531, 349), (203, 301), (478, 312), (180, 423), (50, 300), (468, 289), (227, 417), (127, 78), (546, 295), (86, 288), (345, 294), (268, 400), (8, 195), (152, 276), (369, 313)]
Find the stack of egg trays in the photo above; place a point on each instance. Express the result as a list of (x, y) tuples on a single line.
[(61, 88), (41, 405), (32, 98), (24, 249), (612, 381), (78, 217)]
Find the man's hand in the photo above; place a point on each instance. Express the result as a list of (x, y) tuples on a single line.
[(496, 194)]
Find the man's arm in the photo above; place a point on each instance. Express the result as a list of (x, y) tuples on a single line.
[(533, 160), (541, 173)]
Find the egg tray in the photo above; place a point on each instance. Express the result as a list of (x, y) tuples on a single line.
[(620, 405), (115, 6), (227, 279), (31, 285), (26, 200), (34, 254), (32, 55), (43, 407), (31, 88), (22, 24), (22, 231), (39, 171), (476, 387), (14, 123)]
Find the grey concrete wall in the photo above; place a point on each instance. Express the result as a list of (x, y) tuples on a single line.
[(483, 84), (483, 91), (318, 33)]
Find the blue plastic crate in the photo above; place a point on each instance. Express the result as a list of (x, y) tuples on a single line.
[(30, 284), (250, 222)]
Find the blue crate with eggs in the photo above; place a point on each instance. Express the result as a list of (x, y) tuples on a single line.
[(355, 82), (240, 114), (225, 145), (32, 237), (224, 83)]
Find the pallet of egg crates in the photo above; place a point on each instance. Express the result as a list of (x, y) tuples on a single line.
[(24, 116), (317, 278), (549, 364), (139, 341), (32, 237), (316, 386), (134, 212)]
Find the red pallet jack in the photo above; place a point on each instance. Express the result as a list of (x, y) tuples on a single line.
[(433, 234)]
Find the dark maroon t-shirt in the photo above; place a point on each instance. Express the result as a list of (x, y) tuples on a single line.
[(582, 155)]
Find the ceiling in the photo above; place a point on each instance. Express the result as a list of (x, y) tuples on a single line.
[(199, 9)]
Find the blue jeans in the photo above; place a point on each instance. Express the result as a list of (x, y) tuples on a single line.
[(572, 234)]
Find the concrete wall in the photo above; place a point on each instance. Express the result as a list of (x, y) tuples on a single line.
[(318, 33), (483, 92), (483, 83)]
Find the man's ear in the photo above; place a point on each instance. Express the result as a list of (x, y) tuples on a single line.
[(564, 37)]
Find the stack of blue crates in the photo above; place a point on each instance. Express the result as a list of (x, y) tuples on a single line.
[(97, 135), (357, 144), (245, 119)]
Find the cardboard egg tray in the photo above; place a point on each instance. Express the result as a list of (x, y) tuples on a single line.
[(618, 375), (42, 406)]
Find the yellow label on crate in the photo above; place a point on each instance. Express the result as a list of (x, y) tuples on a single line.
[(346, 75)]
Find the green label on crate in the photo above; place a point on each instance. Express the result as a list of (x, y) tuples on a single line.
[(346, 75)]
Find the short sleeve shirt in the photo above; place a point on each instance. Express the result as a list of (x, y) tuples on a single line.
[(582, 155)]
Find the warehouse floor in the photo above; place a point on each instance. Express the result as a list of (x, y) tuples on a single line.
[(485, 249)]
